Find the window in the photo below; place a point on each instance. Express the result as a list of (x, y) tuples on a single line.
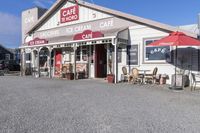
[(7, 56), (119, 55), (156, 54), (28, 56), (78, 54), (85, 53)]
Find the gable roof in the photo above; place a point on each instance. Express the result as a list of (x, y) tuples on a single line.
[(7, 49), (118, 14)]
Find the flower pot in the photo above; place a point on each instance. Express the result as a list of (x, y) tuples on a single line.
[(110, 78), (70, 76)]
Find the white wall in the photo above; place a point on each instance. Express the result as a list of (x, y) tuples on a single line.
[(137, 36)]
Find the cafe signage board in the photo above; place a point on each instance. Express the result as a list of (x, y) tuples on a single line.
[(37, 41), (87, 34), (99, 25), (132, 54), (69, 14)]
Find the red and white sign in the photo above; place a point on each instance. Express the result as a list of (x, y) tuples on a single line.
[(88, 34), (69, 14), (37, 41)]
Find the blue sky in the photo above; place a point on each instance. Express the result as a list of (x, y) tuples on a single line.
[(172, 12)]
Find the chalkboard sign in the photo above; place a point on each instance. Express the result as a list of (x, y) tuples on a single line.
[(132, 55)]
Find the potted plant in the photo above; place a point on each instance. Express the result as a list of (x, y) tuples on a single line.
[(110, 76), (70, 74)]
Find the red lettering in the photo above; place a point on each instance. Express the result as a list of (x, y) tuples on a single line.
[(69, 14)]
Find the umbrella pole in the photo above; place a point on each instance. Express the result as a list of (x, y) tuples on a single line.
[(175, 65)]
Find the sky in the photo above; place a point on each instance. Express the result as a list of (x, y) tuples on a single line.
[(172, 12)]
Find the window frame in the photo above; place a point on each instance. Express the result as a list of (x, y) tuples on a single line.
[(154, 61)]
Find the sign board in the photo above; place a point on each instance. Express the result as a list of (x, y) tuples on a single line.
[(132, 55), (104, 25), (69, 14), (37, 41), (88, 34)]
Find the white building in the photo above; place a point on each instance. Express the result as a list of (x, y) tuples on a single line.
[(84, 37)]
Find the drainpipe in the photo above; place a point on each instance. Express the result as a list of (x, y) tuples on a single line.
[(198, 24), (116, 54)]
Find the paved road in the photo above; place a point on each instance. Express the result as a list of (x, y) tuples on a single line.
[(29, 105)]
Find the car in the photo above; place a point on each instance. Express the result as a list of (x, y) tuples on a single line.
[(9, 65)]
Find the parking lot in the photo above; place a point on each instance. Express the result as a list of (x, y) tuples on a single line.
[(36, 105)]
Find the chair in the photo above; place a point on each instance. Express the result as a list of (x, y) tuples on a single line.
[(125, 75), (195, 81), (134, 77), (150, 78), (64, 72)]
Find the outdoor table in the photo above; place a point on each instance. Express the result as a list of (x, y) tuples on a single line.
[(143, 73)]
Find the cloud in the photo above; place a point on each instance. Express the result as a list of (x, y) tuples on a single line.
[(43, 3), (10, 29)]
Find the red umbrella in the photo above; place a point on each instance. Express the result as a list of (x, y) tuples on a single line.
[(176, 39)]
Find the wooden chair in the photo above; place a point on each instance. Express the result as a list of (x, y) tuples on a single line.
[(195, 81), (150, 78), (134, 77)]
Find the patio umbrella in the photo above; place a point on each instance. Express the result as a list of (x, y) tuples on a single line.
[(176, 39)]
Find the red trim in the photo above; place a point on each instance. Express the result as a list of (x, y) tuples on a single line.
[(88, 34), (37, 41)]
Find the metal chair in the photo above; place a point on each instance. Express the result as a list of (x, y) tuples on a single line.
[(195, 81), (150, 78)]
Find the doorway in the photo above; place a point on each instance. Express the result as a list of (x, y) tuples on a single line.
[(100, 61)]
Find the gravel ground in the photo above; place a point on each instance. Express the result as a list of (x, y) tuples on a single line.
[(29, 105)]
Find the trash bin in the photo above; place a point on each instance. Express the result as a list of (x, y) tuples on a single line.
[(163, 79)]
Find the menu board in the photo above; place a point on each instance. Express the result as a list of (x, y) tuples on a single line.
[(132, 55)]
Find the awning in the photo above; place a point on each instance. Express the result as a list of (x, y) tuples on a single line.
[(67, 41)]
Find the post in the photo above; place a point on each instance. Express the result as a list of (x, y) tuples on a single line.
[(89, 62), (116, 62), (49, 62), (75, 48), (22, 62), (38, 62), (108, 56)]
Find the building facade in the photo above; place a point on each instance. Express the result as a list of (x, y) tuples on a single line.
[(92, 41), (6, 54)]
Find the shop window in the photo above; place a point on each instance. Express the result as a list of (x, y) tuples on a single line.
[(119, 55), (156, 54), (28, 56), (78, 54), (85, 53)]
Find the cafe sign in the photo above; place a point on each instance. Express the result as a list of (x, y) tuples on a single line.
[(37, 41), (69, 14), (88, 34)]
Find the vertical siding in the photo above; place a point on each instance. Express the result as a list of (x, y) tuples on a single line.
[(85, 14)]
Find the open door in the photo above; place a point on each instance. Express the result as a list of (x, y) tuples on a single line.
[(100, 61)]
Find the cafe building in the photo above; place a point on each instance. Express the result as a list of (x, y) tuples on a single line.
[(89, 41)]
